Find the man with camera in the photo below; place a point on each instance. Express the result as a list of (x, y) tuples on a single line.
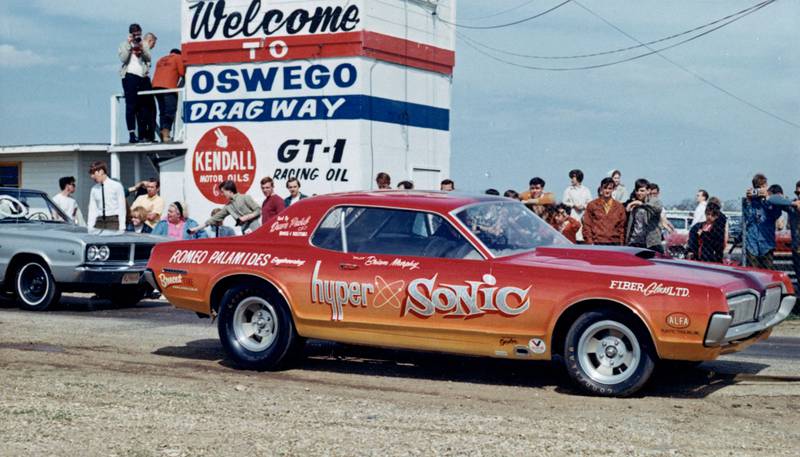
[(760, 215), (135, 56)]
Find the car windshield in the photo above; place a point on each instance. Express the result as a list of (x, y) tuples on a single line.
[(678, 222), (507, 228), (23, 207)]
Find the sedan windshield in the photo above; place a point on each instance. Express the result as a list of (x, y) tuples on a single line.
[(22, 207), (507, 228)]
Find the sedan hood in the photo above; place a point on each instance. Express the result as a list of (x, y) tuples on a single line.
[(72, 232), (645, 264)]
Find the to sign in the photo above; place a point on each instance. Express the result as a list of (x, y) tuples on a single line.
[(223, 153)]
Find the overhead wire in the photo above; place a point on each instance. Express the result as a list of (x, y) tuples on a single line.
[(624, 49), (502, 12), (695, 74), (498, 26), (473, 44)]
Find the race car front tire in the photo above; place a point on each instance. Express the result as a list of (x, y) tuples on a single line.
[(608, 353), (256, 328)]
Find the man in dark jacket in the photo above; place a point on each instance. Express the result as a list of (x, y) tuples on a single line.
[(707, 238), (644, 218)]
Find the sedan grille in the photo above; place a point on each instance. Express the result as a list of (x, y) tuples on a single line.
[(121, 253), (142, 252)]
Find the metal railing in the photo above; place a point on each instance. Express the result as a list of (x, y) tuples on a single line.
[(118, 123)]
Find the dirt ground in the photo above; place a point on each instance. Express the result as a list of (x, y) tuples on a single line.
[(153, 381)]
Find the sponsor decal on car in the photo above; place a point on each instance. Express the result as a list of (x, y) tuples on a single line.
[(424, 297), (537, 346), (506, 341), (296, 226), (217, 257), (336, 294), (654, 288), (176, 281), (678, 320)]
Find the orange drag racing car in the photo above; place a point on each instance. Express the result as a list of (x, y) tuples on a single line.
[(482, 276)]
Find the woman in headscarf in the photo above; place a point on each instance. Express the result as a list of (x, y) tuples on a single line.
[(177, 226)]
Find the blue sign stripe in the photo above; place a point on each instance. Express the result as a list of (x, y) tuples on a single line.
[(317, 108)]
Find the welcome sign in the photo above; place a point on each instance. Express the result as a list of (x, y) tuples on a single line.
[(328, 92)]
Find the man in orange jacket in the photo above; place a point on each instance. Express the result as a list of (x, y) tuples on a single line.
[(169, 71)]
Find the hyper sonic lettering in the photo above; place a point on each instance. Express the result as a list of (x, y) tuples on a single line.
[(425, 298)]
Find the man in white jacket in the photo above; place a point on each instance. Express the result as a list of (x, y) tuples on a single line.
[(107, 206), (65, 201), (577, 196), (700, 211)]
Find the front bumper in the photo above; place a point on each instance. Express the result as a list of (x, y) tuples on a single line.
[(720, 332), (89, 277)]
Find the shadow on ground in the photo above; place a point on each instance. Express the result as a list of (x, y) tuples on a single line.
[(674, 382)]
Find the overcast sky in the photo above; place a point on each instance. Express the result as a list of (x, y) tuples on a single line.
[(647, 117)]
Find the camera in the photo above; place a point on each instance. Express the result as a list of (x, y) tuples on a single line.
[(754, 193)]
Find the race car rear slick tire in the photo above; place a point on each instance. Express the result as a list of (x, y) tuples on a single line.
[(34, 287), (256, 328), (608, 353)]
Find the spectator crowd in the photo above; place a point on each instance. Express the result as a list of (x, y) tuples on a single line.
[(606, 217)]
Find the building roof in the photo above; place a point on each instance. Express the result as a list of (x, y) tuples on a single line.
[(41, 148)]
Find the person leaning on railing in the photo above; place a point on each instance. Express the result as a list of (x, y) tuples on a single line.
[(169, 73), (241, 207)]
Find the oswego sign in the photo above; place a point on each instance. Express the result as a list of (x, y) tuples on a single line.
[(211, 20)]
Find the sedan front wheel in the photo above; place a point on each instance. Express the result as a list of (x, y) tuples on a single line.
[(35, 287)]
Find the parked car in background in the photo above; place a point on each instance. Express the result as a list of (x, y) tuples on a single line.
[(42, 254), (680, 219), (475, 275)]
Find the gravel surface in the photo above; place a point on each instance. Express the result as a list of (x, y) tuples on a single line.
[(153, 381)]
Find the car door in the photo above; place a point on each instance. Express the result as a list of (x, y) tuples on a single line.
[(412, 279)]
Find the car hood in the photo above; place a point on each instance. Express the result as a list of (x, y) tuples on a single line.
[(72, 232), (646, 264)]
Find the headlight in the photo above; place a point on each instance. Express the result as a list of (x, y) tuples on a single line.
[(742, 308), (97, 253), (772, 301)]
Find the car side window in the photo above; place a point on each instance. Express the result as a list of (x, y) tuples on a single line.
[(393, 232)]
